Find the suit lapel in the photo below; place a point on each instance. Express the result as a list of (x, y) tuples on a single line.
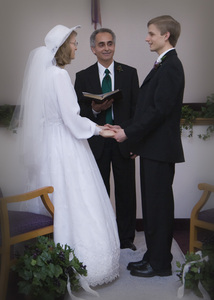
[(117, 76), (153, 71), (94, 79), (149, 76)]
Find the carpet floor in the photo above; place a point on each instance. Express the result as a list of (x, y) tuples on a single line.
[(182, 238), (128, 287)]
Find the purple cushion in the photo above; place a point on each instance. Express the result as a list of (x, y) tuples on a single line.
[(207, 215), (22, 222)]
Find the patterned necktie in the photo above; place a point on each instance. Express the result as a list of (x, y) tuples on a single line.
[(156, 64), (106, 87)]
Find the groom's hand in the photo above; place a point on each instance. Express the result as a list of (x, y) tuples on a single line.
[(120, 135)]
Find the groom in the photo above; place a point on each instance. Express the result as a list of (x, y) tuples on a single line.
[(155, 133)]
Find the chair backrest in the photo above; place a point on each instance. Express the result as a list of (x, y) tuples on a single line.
[(20, 226), (11, 232), (203, 220)]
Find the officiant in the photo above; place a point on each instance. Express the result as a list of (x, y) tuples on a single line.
[(103, 76)]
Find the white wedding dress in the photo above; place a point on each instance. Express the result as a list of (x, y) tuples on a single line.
[(84, 218)]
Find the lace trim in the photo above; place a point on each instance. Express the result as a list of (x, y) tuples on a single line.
[(97, 275)]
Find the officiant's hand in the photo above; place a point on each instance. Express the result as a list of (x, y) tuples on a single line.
[(103, 106)]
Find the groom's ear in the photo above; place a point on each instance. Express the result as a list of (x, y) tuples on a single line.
[(166, 36)]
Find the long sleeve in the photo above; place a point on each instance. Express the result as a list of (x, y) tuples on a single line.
[(80, 127)]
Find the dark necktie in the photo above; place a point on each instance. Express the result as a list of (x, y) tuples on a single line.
[(106, 87), (156, 64)]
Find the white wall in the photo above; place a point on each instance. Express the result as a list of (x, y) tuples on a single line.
[(198, 168), (24, 24)]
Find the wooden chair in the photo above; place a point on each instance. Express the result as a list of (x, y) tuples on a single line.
[(20, 226), (201, 220)]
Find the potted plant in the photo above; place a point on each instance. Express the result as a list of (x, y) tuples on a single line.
[(45, 268), (6, 113), (202, 115), (197, 272)]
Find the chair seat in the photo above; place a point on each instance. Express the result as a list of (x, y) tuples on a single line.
[(21, 226), (22, 222), (207, 215)]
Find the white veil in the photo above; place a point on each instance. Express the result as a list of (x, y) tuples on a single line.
[(28, 118)]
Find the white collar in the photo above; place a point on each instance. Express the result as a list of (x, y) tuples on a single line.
[(102, 69), (162, 54)]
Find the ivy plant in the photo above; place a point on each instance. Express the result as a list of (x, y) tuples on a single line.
[(45, 268), (202, 271), (189, 116), (6, 112)]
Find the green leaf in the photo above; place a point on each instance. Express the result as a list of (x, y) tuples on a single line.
[(24, 287), (39, 262), (178, 264), (194, 269), (25, 274), (44, 267)]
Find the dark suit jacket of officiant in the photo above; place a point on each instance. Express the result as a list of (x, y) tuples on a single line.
[(126, 80), (108, 151)]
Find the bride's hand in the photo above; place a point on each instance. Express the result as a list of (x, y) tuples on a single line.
[(112, 127), (107, 133), (103, 127)]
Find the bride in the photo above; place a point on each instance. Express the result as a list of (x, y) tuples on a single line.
[(55, 151)]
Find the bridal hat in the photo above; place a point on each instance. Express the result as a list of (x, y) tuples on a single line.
[(57, 36)]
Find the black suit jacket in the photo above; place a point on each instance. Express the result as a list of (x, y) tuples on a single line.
[(155, 129), (126, 79)]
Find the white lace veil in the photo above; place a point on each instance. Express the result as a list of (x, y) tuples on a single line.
[(28, 118)]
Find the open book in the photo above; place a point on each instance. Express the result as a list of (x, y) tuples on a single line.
[(99, 98)]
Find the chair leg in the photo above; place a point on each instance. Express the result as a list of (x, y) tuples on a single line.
[(4, 273)]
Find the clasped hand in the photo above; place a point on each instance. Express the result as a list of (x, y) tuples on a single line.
[(114, 131)]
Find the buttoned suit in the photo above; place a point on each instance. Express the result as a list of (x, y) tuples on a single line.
[(108, 151), (155, 134)]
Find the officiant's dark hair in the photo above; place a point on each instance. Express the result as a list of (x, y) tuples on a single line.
[(101, 30), (165, 24)]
